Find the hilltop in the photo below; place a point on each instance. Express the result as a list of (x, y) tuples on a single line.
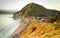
[(35, 10)]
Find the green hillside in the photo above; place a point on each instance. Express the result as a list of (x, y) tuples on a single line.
[(36, 10)]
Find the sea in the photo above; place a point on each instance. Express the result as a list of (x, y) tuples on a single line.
[(5, 19), (8, 25)]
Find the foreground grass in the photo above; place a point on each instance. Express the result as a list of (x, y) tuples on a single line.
[(44, 30)]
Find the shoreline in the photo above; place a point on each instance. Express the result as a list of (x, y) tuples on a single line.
[(21, 28)]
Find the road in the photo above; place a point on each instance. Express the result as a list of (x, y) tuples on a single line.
[(8, 30), (21, 28)]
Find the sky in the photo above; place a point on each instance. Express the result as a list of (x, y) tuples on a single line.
[(19, 4)]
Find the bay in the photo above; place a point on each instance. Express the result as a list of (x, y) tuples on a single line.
[(8, 25)]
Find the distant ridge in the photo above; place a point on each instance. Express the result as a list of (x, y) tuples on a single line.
[(6, 12)]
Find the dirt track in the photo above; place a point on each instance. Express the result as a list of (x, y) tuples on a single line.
[(21, 28)]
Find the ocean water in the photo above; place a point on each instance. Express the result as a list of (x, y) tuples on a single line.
[(5, 19), (8, 25)]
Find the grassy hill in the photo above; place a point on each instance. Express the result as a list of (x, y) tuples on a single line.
[(35, 10)]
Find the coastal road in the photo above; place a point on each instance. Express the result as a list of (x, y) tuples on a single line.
[(21, 28), (7, 31)]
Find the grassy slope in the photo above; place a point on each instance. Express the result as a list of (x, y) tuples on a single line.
[(36, 10), (36, 30)]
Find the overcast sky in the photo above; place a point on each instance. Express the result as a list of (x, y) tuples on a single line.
[(19, 4)]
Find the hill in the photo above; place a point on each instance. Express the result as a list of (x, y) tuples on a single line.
[(36, 28), (35, 10), (54, 12)]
